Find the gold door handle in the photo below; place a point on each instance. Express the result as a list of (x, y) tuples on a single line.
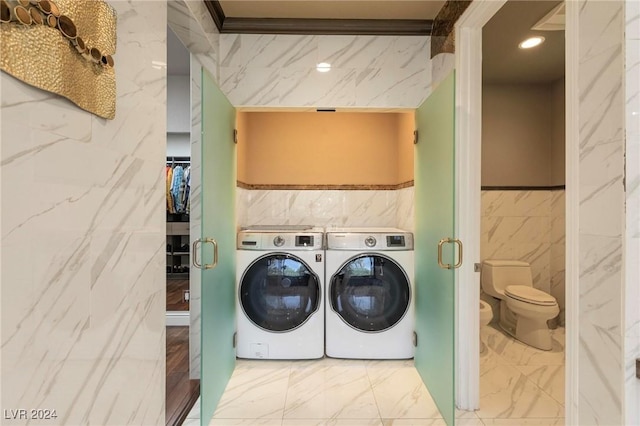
[(194, 250), (448, 265)]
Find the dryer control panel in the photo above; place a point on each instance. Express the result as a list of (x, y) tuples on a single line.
[(248, 240), (379, 241)]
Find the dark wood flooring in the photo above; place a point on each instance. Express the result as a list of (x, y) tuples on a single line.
[(181, 392), (175, 295)]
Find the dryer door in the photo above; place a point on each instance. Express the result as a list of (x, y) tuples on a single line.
[(279, 292), (370, 292)]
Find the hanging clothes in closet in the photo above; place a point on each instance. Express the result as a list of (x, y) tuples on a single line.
[(178, 188)]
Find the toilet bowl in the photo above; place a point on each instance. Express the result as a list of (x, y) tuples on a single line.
[(486, 315), (524, 310)]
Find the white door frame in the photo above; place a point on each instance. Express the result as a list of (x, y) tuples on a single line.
[(468, 65)]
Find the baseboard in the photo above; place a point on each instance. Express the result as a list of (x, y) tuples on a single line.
[(177, 318)]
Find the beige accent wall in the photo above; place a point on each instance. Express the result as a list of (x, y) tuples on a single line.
[(241, 149), (406, 126), (311, 148), (517, 136), (557, 133)]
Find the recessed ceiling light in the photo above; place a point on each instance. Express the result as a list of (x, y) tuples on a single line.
[(531, 42), (323, 67)]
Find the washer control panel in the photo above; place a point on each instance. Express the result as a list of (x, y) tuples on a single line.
[(251, 240)]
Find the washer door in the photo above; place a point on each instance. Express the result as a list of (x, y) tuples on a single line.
[(279, 292), (370, 292)]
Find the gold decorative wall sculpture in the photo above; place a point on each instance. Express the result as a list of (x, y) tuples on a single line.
[(64, 47)]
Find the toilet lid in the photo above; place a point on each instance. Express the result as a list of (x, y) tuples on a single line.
[(530, 295)]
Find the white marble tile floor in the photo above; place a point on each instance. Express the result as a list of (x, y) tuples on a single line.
[(519, 385)]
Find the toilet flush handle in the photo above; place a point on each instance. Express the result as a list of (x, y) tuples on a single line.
[(448, 265)]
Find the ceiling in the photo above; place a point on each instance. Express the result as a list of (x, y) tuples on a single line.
[(503, 61), (331, 9)]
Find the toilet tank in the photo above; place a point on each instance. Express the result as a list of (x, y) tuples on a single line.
[(497, 274)]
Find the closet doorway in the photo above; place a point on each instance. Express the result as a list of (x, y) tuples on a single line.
[(181, 390)]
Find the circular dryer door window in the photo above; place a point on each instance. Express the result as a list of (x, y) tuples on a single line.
[(279, 292), (370, 293)]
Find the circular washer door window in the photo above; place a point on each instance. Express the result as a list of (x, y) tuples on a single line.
[(279, 292), (370, 293)]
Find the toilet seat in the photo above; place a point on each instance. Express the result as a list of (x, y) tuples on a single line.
[(531, 295)]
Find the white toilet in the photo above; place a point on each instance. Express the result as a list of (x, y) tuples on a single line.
[(486, 315), (524, 310)]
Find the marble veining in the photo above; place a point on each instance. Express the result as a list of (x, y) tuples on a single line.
[(367, 71), (264, 386), (372, 51), (441, 66), (520, 385), (83, 255), (192, 24), (268, 51), (405, 207), (330, 390), (311, 88), (399, 391), (327, 208), (601, 30), (518, 381), (632, 177), (530, 226)]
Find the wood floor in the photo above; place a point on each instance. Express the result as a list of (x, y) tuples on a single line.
[(181, 392), (176, 295)]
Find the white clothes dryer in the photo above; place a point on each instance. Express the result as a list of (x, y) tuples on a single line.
[(369, 297), (280, 288)]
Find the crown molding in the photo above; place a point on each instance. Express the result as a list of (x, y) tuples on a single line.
[(231, 25), (216, 12)]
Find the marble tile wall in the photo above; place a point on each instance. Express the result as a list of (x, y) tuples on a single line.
[(83, 241), (191, 22), (367, 71), (392, 208), (405, 207), (557, 263), (441, 66), (370, 72), (528, 226), (632, 295), (601, 212)]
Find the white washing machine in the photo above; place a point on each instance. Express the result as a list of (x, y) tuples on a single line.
[(280, 289), (369, 297)]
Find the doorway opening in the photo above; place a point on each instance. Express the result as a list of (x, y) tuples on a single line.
[(469, 142), (182, 385), (522, 201)]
